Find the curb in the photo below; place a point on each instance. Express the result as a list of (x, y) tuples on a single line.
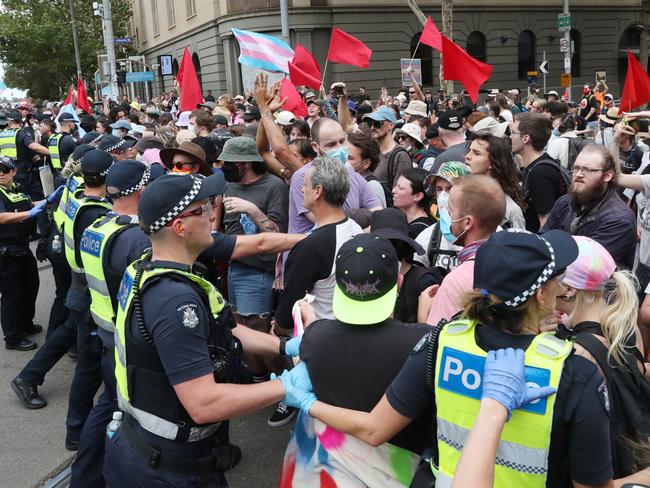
[(59, 477)]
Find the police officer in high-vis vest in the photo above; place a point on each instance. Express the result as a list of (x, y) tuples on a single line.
[(18, 144), (176, 345), (62, 145), (558, 441), (18, 271), (108, 246)]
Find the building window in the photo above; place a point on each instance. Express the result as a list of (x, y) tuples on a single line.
[(197, 67), (175, 67), (154, 17), (630, 39), (526, 58), (576, 47), (190, 6), (425, 55), (476, 46), (171, 14)]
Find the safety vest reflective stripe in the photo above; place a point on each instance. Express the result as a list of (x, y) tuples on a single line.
[(148, 421), (8, 143), (55, 154), (14, 197), (73, 184), (522, 455), (97, 285), (509, 454)]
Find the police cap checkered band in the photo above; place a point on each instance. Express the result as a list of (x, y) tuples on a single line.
[(105, 172), (143, 182), (178, 208), (7, 162), (546, 275)]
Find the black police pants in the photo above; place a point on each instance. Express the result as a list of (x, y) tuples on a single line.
[(56, 345), (87, 375), (87, 469), (19, 284), (62, 279)]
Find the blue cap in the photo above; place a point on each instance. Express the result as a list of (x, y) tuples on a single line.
[(352, 106), (122, 124), (126, 178), (381, 114), (7, 162), (67, 117), (96, 163)]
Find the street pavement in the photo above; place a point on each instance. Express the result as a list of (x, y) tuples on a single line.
[(32, 440)]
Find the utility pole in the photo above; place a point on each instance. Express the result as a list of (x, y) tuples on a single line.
[(284, 21), (75, 39), (567, 54), (109, 43)]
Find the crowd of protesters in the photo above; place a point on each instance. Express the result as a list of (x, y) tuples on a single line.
[(407, 245)]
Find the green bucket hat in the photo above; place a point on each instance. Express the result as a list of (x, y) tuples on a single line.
[(240, 150)]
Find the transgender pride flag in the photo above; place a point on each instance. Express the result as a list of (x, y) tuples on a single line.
[(263, 51)]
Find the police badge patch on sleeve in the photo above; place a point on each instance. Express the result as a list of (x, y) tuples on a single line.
[(421, 343), (603, 396), (188, 316)]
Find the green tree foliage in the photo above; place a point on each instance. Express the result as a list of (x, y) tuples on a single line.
[(36, 45)]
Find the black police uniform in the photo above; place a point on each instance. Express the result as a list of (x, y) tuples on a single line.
[(169, 351), (27, 170), (19, 280), (580, 415)]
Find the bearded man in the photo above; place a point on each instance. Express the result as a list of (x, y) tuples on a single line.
[(593, 208)]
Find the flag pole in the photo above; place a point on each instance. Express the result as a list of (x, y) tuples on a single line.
[(322, 84), (415, 52)]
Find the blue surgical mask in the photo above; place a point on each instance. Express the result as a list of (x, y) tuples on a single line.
[(445, 226), (556, 132), (341, 154)]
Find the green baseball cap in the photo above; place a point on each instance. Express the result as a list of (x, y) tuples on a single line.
[(240, 150)]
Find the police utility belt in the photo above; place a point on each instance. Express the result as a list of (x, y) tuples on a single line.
[(203, 467)]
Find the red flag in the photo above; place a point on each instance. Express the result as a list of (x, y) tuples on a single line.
[(190, 89), (304, 69), (179, 75), (431, 35), (636, 91), (294, 103), (347, 49), (82, 97), (460, 66), (70, 98)]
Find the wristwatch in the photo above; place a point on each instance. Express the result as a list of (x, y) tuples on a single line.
[(283, 345)]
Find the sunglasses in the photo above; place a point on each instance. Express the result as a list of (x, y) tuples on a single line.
[(5, 171), (197, 212), (377, 123), (183, 166)]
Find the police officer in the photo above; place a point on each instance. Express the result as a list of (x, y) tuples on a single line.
[(560, 441), (18, 271), (63, 144), (18, 144), (174, 335)]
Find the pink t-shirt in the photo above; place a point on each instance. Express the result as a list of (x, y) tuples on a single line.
[(448, 300)]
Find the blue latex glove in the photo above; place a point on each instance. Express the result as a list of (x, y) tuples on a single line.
[(292, 347), (55, 195), (505, 382), (38, 208), (297, 388)]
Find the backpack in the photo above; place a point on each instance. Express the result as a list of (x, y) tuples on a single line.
[(392, 171), (433, 251), (565, 174), (629, 396), (576, 144)]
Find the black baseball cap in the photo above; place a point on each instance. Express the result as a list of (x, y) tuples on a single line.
[(67, 117), (7, 162), (96, 162), (450, 120), (91, 137), (110, 143), (391, 223), (126, 178), (221, 120), (513, 264), (252, 113), (169, 195), (14, 116), (80, 152), (366, 280)]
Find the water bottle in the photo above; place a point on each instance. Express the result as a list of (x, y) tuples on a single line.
[(247, 224), (114, 424), (56, 244)]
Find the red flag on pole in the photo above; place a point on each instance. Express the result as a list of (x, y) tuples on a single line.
[(431, 35), (179, 75), (191, 94), (347, 49), (70, 98), (304, 69), (460, 66), (636, 91), (294, 103), (82, 97)]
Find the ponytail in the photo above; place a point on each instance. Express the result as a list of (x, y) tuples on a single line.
[(620, 316), (484, 307)]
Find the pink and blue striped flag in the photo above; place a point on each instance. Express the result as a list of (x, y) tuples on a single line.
[(263, 51)]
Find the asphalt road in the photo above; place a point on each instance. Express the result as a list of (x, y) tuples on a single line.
[(32, 440)]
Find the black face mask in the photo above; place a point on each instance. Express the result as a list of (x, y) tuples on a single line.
[(231, 172)]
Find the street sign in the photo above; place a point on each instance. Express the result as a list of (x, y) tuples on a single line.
[(564, 22), (544, 66), (532, 77), (565, 80), (139, 76), (567, 64), (123, 40), (564, 45), (416, 68)]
